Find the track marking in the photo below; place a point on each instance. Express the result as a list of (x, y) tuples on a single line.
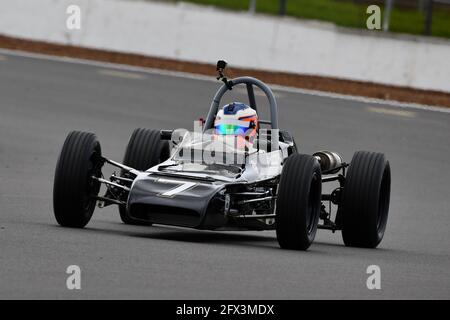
[(2, 58), (121, 74), (185, 75), (392, 112)]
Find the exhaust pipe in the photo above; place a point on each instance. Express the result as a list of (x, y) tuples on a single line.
[(329, 161)]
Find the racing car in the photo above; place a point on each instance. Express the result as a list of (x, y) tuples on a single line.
[(234, 172)]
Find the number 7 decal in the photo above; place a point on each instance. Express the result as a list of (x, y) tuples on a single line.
[(180, 186)]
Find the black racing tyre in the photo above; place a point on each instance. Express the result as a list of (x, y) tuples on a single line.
[(298, 202), (79, 160), (145, 150), (365, 200)]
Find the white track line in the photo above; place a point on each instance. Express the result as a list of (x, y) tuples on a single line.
[(121, 74), (392, 112), (186, 75)]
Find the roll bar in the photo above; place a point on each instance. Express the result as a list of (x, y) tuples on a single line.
[(250, 82)]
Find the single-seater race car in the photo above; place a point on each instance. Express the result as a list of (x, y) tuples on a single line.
[(229, 174)]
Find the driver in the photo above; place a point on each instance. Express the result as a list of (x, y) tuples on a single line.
[(237, 119)]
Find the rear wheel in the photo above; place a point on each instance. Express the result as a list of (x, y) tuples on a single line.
[(145, 150), (73, 187), (365, 200), (298, 202)]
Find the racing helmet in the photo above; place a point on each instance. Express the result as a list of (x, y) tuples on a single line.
[(237, 119)]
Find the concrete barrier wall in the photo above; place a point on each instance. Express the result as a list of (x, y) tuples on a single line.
[(203, 34)]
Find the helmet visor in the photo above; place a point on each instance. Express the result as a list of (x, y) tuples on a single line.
[(230, 129)]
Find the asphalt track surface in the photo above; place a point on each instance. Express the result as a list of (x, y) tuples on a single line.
[(42, 100)]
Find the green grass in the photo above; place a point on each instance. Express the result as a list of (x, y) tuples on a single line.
[(344, 13)]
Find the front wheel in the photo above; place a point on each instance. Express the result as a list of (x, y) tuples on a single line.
[(298, 202), (73, 188), (365, 200), (145, 150)]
